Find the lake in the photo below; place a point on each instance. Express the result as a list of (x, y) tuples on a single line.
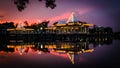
[(92, 53)]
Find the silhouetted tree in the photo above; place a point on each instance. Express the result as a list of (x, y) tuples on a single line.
[(7, 25), (38, 26), (21, 4), (34, 26), (16, 24), (44, 24), (26, 23), (109, 30)]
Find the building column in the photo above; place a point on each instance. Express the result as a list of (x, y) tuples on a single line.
[(85, 29)]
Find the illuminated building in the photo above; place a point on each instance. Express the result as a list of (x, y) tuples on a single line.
[(20, 30), (72, 26)]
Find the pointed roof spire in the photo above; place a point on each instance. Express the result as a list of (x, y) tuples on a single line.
[(72, 18), (20, 25), (71, 57)]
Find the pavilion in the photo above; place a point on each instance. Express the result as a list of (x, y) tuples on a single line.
[(72, 26), (20, 30)]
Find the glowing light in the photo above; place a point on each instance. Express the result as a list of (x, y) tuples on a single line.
[(41, 28), (41, 46)]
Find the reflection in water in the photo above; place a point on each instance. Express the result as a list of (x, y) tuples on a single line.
[(60, 48)]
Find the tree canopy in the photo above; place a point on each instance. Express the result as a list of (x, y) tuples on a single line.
[(21, 4)]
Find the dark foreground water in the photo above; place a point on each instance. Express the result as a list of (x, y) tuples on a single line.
[(100, 53)]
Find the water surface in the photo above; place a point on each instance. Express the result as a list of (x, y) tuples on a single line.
[(60, 54)]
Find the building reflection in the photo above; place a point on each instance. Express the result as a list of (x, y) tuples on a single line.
[(60, 48)]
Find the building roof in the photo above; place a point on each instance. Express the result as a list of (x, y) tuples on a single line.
[(72, 18), (20, 26), (61, 22)]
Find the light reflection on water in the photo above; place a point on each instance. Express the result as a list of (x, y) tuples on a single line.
[(57, 53)]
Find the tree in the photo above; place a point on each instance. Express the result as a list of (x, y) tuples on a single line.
[(44, 24), (7, 25), (108, 30), (21, 4), (26, 23)]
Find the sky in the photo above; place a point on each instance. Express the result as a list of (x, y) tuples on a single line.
[(99, 12)]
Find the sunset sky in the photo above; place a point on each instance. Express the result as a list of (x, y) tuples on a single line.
[(99, 12)]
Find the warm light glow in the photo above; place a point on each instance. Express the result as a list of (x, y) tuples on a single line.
[(50, 46), (19, 46), (25, 29), (62, 51), (89, 25), (60, 24), (90, 50), (58, 54)]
